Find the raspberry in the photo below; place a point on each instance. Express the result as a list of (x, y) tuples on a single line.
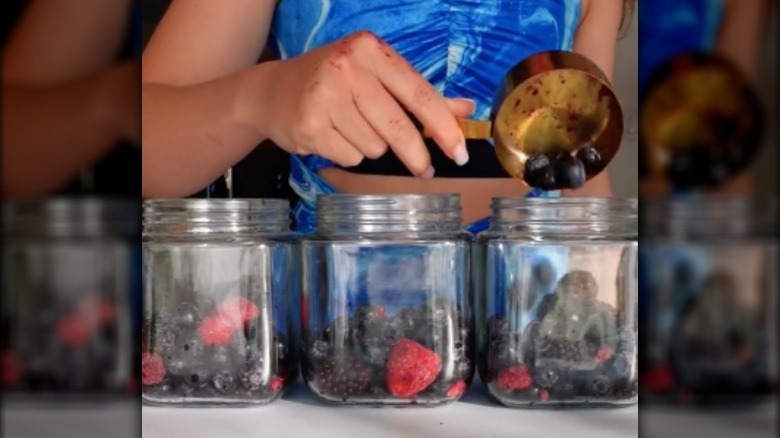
[(216, 331), (12, 369), (229, 317), (456, 389), (237, 310), (516, 377), (152, 368), (381, 312), (658, 379), (604, 354), (276, 383), (411, 368), (544, 395), (80, 325)]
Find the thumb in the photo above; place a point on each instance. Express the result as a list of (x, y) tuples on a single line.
[(461, 107)]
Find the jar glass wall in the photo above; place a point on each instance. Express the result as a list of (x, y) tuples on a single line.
[(708, 300), (386, 315), (67, 329), (220, 280), (557, 301)]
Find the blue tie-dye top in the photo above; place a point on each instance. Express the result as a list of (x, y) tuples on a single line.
[(463, 47), (671, 27)]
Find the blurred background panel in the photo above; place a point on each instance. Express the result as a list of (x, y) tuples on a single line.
[(71, 183), (708, 240)]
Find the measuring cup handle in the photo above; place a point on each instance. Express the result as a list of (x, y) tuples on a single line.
[(472, 129)]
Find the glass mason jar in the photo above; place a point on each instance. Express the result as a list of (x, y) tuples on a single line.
[(67, 331), (386, 314), (708, 300), (220, 280), (556, 301)]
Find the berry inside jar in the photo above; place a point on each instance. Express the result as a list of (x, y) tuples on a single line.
[(228, 352), (575, 349), (416, 355)]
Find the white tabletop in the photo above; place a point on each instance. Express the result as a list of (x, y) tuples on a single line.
[(298, 414)]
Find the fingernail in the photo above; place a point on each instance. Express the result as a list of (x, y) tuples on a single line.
[(472, 102), (461, 155), (428, 174)]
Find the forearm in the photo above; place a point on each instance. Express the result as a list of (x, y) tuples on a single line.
[(57, 40), (50, 134), (192, 134)]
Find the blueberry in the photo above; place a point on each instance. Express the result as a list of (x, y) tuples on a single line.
[(569, 171), (199, 376), (620, 366), (221, 357), (223, 381), (539, 173), (591, 159), (546, 377), (187, 316), (191, 349), (176, 366), (600, 385)]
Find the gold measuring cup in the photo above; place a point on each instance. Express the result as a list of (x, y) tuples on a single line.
[(553, 101), (700, 122)]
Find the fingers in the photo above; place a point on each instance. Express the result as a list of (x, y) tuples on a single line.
[(348, 121), (390, 121), (340, 150), (421, 99), (462, 107)]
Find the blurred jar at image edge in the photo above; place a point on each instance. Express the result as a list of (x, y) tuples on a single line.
[(386, 313), (220, 280), (556, 302), (67, 288), (708, 300)]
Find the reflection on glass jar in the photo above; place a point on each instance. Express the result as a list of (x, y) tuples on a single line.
[(66, 319), (386, 316), (708, 290), (556, 302), (220, 279)]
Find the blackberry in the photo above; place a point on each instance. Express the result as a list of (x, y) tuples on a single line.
[(223, 381), (164, 336), (252, 376), (221, 357), (539, 173), (546, 305), (319, 350), (543, 272), (591, 159), (342, 378), (368, 335), (569, 171)]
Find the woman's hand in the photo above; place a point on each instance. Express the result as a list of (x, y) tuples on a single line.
[(348, 100)]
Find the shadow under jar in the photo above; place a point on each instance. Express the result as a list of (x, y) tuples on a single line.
[(66, 323), (557, 300), (220, 279), (386, 316), (708, 292)]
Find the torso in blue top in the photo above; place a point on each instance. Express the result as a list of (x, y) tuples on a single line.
[(463, 48), (671, 27)]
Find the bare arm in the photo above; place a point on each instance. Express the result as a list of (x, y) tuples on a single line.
[(194, 69), (596, 38), (60, 113), (741, 33)]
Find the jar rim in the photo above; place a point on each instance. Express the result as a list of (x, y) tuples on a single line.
[(611, 201), (71, 217), (215, 205), (388, 213)]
